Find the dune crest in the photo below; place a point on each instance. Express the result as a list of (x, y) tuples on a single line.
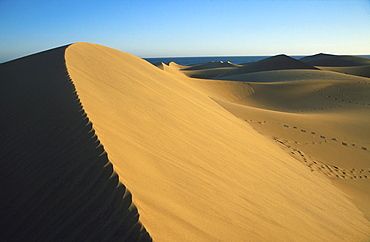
[(196, 171), (56, 182)]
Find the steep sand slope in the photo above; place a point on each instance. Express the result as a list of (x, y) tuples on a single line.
[(56, 183), (197, 173), (335, 60)]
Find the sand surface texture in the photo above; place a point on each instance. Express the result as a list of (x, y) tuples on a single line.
[(269, 151)]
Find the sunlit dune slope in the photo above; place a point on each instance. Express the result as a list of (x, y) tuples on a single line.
[(335, 60), (197, 172), (303, 90), (56, 182), (278, 62), (320, 117)]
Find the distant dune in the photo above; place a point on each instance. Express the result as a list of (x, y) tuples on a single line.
[(278, 62), (281, 155), (335, 60), (160, 65), (209, 65), (351, 70)]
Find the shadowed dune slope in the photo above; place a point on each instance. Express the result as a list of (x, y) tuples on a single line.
[(208, 65), (196, 172), (278, 62), (160, 65), (335, 60), (208, 70), (207, 73), (56, 182)]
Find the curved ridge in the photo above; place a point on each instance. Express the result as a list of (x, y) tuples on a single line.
[(56, 181)]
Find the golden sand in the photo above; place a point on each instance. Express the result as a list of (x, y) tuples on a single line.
[(276, 150), (198, 171)]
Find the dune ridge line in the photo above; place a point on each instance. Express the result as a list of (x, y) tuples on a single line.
[(57, 183)]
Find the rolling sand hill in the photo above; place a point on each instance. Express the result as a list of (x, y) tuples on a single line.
[(335, 60), (351, 70), (196, 169), (208, 70), (320, 117), (353, 65), (278, 62)]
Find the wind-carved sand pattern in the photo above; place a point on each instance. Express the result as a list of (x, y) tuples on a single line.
[(57, 183)]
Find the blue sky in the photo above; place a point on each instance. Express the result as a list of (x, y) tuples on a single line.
[(162, 28)]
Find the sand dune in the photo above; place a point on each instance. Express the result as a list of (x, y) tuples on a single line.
[(278, 62), (208, 73), (208, 70), (363, 70), (196, 171), (57, 183), (205, 160), (319, 117), (335, 60), (160, 65), (209, 65)]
